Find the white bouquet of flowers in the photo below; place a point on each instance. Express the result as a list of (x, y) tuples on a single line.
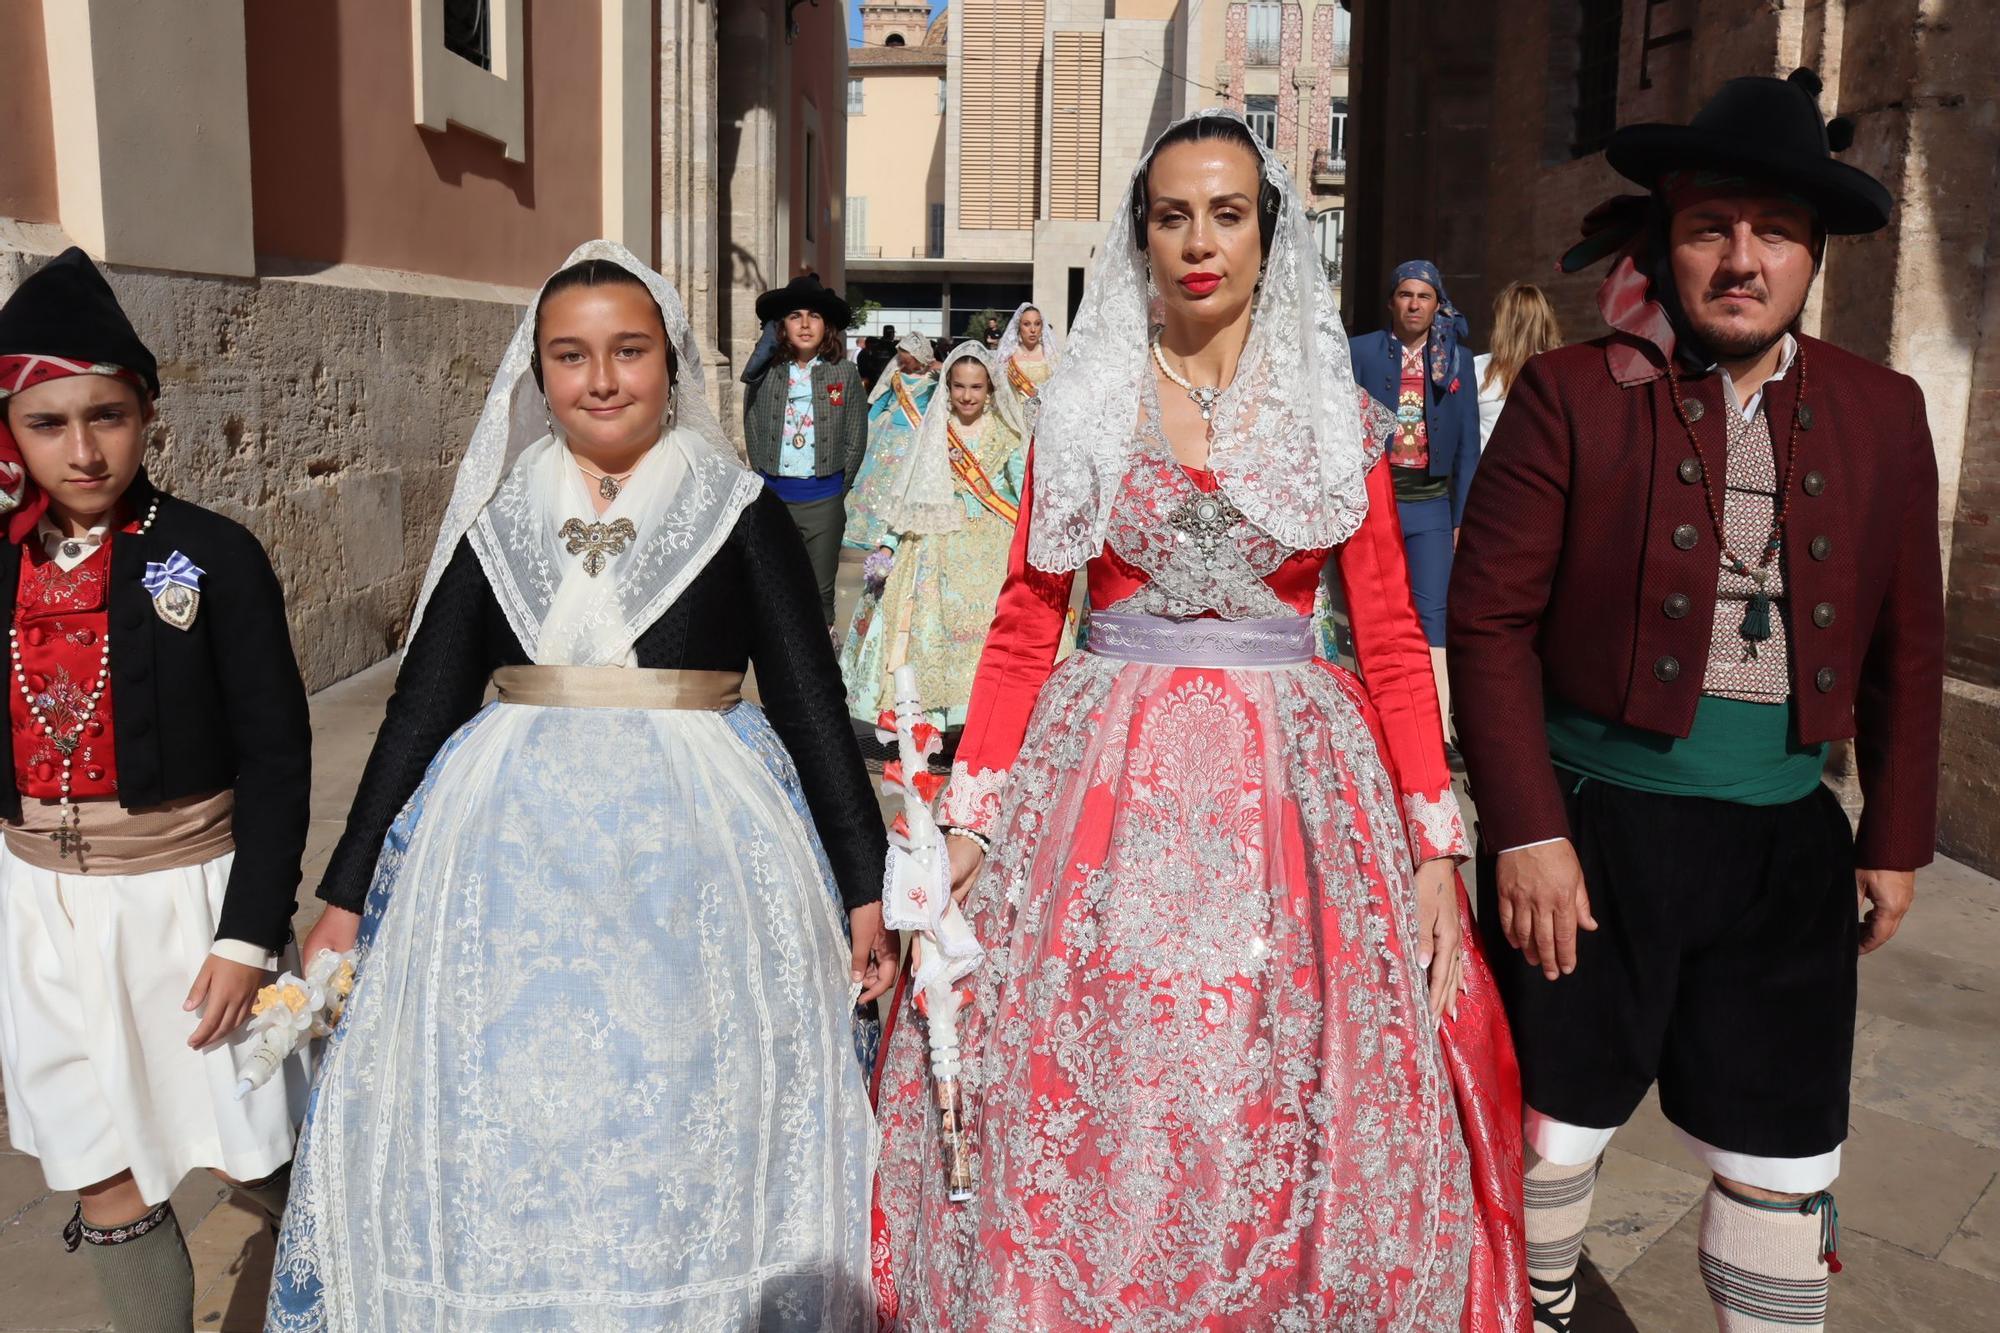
[(291, 1011)]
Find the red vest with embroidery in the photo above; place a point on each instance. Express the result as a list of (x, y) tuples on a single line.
[(61, 618)]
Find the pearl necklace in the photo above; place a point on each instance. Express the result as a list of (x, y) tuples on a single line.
[(68, 837), (1204, 395)]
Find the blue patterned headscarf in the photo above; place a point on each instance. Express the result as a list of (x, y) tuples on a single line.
[(1446, 329)]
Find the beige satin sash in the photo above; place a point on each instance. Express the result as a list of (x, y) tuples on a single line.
[(618, 687), (117, 841)]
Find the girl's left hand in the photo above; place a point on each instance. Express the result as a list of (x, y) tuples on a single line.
[(223, 990), (1438, 941), (876, 952)]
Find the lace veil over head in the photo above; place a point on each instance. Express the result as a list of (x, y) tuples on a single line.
[(517, 488), (1010, 341), (1287, 446), (925, 495)]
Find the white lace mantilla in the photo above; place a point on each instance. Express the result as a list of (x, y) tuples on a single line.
[(1287, 444)]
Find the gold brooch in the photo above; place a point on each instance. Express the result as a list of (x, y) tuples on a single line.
[(595, 541)]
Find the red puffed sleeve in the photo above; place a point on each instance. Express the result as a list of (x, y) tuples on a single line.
[(1020, 653), (1396, 670)]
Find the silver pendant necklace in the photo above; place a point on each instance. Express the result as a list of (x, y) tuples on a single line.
[(1204, 395), (607, 486)]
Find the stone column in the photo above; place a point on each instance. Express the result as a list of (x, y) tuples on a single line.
[(1291, 45), (689, 251), (750, 171)]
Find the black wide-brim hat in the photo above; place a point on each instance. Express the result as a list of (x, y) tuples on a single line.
[(804, 294), (1768, 131), (66, 309)]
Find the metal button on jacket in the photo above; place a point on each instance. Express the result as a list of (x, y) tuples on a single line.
[(1823, 614), (1690, 471), (1824, 679), (1815, 483), (1692, 406), (1805, 417), (1685, 536), (1677, 605), (1667, 669), (1820, 548)]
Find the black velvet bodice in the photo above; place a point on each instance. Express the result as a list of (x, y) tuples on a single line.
[(755, 604)]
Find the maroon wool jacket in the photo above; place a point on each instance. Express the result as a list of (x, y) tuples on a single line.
[(1569, 580)]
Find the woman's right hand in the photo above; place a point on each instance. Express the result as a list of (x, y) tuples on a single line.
[(967, 856), (335, 930)]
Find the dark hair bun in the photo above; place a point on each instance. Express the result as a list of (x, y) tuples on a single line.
[(1808, 80), (1840, 134)]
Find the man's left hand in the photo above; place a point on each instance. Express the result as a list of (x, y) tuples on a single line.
[(1884, 896)]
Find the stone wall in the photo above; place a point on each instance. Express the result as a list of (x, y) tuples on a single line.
[(326, 413)]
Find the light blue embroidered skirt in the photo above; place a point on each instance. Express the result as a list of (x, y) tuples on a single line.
[(599, 1071)]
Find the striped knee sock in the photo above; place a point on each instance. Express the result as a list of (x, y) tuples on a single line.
[(1556, 1201), (1766, 1264)]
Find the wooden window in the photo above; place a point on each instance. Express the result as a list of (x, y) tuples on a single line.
[(470, 68), (1262, 115), (857, 224), (936, 238), (1336, 139), (1076, 86), (854, 97), (1596, 75), (468, 31), (812, 162), (1264, 32), (999, 113)]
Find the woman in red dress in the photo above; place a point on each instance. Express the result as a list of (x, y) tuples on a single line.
[(1232, 1061)]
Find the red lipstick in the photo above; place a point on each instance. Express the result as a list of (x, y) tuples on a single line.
[(1199, 283)]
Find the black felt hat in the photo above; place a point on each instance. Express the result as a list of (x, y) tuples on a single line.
[(1766, 130), (67, 309), (804, 294)]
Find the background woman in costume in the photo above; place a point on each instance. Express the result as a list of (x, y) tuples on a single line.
[(1524, 325), (599, 1068), (805, 419), (1027, 357), (155, 808), (950, 522), (895, 412), (1232, 1060)]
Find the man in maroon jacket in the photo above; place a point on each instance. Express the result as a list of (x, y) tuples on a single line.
[(1697, 551)]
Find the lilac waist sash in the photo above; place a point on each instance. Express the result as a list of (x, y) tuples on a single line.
[(1280, 641)]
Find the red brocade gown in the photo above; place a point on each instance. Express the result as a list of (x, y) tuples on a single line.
[(1202, 1080)]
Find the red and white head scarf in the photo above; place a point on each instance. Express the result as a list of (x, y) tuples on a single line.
[(22, 502)]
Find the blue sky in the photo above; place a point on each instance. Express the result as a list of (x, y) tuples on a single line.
[(854, 18)]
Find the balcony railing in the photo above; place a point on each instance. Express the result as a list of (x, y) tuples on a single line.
[(1329, 168), (864, 252)]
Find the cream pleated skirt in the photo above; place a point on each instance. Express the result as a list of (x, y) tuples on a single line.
[(93, 1040)]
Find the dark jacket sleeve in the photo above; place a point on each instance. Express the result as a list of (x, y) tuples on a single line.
[(1509, 546), (1900, 694), (438, 688), (1465, 429), (762, 354), (799, 683), (854, 420), (270, 731)]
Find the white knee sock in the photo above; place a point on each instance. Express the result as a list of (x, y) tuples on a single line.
[(1766, 1264), (1556, 1209)]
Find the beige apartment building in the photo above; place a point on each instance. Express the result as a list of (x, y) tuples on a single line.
[(1000, 189), (325, 218)]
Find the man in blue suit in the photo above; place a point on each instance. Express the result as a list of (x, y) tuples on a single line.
[(1420, 369)]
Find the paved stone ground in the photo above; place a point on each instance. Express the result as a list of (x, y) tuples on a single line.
[(1920, 1207)]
